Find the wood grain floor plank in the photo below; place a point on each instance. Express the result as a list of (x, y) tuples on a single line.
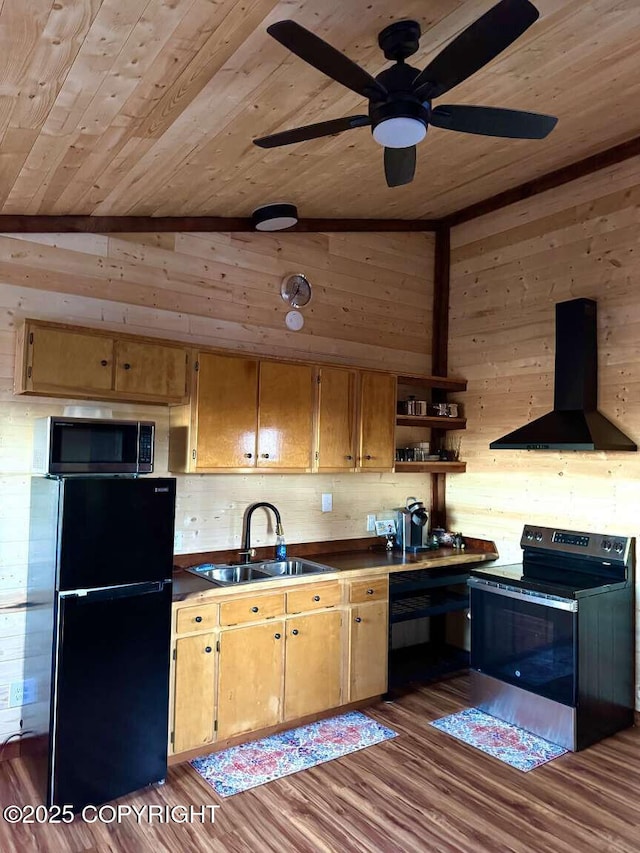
[(422, 791)]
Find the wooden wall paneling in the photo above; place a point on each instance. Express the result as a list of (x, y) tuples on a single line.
[(157, 285)]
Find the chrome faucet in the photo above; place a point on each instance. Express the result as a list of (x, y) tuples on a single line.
[(247, 551)]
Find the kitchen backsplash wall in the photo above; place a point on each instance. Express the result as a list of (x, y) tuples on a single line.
[(371, 306)]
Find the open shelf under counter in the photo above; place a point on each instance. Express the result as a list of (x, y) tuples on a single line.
[(434, 422), (430, 467)]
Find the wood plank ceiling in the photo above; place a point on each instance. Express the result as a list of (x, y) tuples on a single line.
[(148, 107)]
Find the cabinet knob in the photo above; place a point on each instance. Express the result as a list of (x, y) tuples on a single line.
[(264, 455), (316, 598), (104, 362), (368, 457), (358, 619), (277, 636), (207, 649), (248, 455), (349, 458), (198, 618), (295, 632), (126, 365), (254, 609), (369, 592)]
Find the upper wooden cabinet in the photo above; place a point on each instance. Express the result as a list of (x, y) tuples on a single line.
[(377, 421), (244, 414), (336, 419), (54, 360)]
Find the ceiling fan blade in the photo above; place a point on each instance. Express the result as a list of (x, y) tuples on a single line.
[(475, 47), (399, 165), (327, 59), (492, 121), (312, 131)]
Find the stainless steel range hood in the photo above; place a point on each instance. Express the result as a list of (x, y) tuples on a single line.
[(574, 423)]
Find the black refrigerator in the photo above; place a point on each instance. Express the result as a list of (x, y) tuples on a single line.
[(100, 562)]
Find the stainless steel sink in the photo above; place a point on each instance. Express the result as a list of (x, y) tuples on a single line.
[(282, 568), (226, 575)]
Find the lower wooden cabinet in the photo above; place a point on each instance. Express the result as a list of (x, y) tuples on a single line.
[(194, 694), (250, 678), (368, 645), (313, 667), (272, 657)]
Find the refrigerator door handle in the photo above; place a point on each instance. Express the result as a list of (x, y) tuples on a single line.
[(122, 591)]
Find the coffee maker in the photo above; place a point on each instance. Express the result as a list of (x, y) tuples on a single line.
[(412, 528)]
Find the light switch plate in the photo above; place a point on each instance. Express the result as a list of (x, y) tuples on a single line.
[(327, 502), (371, 523)]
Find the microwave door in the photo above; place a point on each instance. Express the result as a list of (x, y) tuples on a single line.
[(115, 530)]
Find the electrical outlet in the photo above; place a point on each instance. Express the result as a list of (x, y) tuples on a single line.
[(327, 502), (22, 692), (371, 523)]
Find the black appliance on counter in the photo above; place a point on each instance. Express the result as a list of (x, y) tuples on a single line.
[(100, 563), (552, 638)]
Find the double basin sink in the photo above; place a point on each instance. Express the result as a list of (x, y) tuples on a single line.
[(230, 575)]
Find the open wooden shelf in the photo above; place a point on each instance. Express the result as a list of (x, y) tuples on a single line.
[(443, 383), (434, 422), (430, 467)]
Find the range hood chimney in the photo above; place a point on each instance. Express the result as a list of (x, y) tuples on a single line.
[(574, 423)]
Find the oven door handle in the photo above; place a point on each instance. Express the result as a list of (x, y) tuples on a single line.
[(520, 595)]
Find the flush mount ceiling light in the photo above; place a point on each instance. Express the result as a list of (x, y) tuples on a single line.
[(274, 217)]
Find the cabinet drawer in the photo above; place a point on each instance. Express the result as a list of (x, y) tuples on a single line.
[(313, 597), (372, 590), (197, 618), (251, 609)]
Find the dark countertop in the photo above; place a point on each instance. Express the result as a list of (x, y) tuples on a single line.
[(187, 586)]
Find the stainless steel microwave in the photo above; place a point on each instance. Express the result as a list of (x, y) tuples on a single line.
[(64, 445)]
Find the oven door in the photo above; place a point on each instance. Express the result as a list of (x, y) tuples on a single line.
[(525, 639)]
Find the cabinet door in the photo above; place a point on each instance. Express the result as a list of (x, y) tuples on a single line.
[(194, 707), (313, 664), (60, 360), (151, 370), (336, 419), (226, 412), (377, 421), (368, 645), (285, 416), (250, 678)]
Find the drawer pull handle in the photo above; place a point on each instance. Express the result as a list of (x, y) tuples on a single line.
[(104, 362), (254, 609), (198, 618), (207, 649), (277, 636), (369, 592), (358, 619), (295, 632), (316, 598)]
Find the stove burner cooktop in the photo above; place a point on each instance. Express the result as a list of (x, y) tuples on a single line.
[(565, 563)]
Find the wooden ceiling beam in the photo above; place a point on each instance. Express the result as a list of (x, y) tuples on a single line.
[(579, 169), (150, 224)]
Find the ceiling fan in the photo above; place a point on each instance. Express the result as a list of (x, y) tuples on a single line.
[(400, 97)]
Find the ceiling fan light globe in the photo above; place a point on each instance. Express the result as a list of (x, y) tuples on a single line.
[(399, 132)]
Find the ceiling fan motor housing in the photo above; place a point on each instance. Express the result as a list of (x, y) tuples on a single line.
[(400, 39)]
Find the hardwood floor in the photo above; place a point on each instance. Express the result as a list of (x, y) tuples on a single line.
[(422, 791)]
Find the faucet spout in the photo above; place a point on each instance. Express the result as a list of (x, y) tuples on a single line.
[(246, 540)]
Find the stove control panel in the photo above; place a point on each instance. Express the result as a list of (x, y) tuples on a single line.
[(614, 548)]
